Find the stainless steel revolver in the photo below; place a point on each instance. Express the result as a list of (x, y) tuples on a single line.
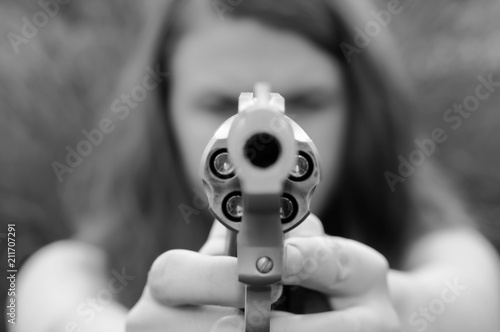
[(259, 170)]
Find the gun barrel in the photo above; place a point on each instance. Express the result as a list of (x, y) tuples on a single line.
[(260, 170)]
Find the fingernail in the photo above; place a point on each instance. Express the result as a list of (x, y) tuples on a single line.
[(229, 323), (293, 260), (276, 292)]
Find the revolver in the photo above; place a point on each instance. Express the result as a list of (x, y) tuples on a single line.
[(259, 171)]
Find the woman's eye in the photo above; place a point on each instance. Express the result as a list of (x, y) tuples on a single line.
[(306, 106), (312, 102), (221, 106)]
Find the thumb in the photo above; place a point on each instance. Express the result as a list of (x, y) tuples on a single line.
[(217, 242), (310, 227)]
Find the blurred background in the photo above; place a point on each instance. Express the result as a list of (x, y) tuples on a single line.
[(50, 91)]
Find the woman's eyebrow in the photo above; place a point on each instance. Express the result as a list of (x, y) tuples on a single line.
[(297, 97), (218, 98)]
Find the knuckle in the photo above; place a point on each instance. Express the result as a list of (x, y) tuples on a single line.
[(160, 277), (316, 224), (380, 264), (383, 263), (134, 321)]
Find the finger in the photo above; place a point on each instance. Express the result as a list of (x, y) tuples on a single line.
[(354, 319), (333, 265), (147, 315), (217, 241), (229, 324), (181, 277), (312, 226)]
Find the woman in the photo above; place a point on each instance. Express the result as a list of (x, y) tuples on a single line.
[(194, 59)]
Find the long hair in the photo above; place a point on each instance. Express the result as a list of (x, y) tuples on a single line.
[(125, 197)]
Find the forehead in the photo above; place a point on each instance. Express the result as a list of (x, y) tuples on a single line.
[(232, 55)]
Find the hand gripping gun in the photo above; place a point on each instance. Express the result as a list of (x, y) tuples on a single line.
[(260, 170)]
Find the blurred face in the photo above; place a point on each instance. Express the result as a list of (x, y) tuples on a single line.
[(216, 61)]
